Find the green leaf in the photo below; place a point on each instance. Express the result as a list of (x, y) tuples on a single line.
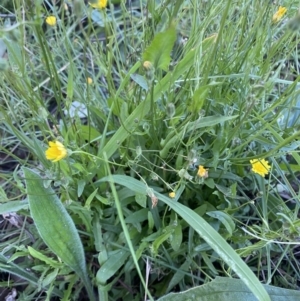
[(138, 216), (55, 226), (198, 99), (205, 122), (144, 107), (81, 184), (115, 260), (14, 269), (89, 133), (206, 231), (13, 206), (50, 278), (162, 238), (115, 105), (180, 273), (140, 80), (176, 238), (141, 199), (90, 199), (158, 52), (49, 261), (224, 218), (228, 289)]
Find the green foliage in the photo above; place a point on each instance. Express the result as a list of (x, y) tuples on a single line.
[(225, 289), (140, 95), (55, 227), (158, 52), (204, 230)]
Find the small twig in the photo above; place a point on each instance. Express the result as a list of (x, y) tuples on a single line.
[(148, 270)]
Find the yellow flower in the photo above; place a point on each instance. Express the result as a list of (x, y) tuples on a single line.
[(260, 166), (202, 172), (89, 80), (279, 14), (56, 151), (98, 4), (51, 20), (172, 194), (147, 65)]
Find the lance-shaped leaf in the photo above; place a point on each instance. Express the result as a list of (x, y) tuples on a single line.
[(228, 289), (55, 226), (158, 52)]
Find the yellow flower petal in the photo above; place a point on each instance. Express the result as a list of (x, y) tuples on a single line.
[(172, 194), (98, 4), (279, 14), (51, 20), (202, 172), (56, 151), (260, 166)]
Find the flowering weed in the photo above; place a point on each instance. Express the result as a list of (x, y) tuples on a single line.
[(163, 107)]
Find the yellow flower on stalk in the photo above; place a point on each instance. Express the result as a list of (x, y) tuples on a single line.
[(260, 166), (202, 172), (279, 14), (147, 65), (56, 151), (172, 195), (51, 20), (98, 4), (89, 80)]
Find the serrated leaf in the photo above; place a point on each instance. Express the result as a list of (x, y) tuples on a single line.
[(49, 261), (55, 226), (159, 51)]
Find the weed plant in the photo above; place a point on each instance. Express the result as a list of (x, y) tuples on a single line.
[(158, 107)]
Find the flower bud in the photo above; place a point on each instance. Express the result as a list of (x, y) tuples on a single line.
[(170, 110)]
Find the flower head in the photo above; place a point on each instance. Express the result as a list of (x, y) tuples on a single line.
[(56, 151), (98, 4), (260, 166), (51, 20), (172, 195), (202, 172), (89, 80), (147, 65), (279, 14)]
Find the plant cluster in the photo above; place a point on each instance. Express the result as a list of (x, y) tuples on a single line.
[(148, 147)]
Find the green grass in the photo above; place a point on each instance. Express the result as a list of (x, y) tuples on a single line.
[(220, 90)]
